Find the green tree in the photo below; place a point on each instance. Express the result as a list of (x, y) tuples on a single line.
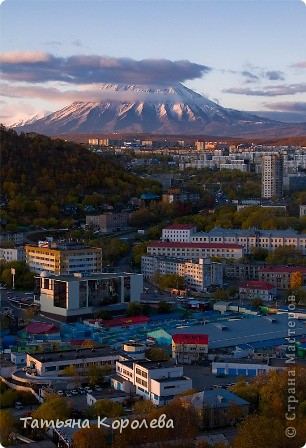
[(134, 309), (164, 307), (220, 294)]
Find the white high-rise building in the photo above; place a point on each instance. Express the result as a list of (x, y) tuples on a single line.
[(272, 175)]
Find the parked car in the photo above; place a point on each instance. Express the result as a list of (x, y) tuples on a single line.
[(18, 405), (60, 392)]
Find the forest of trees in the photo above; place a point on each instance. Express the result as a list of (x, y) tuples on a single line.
[(40, 175)]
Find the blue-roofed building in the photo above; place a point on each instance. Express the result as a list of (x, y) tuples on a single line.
[(165, 317)]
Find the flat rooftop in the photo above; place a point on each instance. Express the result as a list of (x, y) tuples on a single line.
[(146, 363), (109, 393), (99, 276), (170, 380), (229, 333), (74, 354)]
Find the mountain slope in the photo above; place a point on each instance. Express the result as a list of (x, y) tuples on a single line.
[(158, 110)]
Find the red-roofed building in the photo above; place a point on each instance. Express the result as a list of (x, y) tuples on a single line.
[(179, 232), (195, 250), (126, 321), (280, 276), (258, 289), (189, 347), (42, 330)]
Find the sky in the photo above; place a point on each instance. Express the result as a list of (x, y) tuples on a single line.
[(248, 55)]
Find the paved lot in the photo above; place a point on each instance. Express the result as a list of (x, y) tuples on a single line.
[(202, 378)]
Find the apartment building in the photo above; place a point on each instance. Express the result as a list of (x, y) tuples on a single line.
[(108, 222), (302, 211), (68, 297), (252, 238), (189, 347), (196, 250), (179, 196), (178, 232), (280, 276), (17, 254), (198, 274), (159, 382), (272, 175), (63, 258), (258, 289), (11, 238)]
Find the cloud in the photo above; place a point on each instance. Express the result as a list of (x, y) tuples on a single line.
[(275, 75), (53, 42), (299, 65), (250, 76), (13, 113), (291, 111), (278, 90), (288, 111), (39, 67), (287, 106), (77, 43)]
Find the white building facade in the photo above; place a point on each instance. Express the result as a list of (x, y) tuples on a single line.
[(196, 250), (200, 274), (159, 382), (68, 297)]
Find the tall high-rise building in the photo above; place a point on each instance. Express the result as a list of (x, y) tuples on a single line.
[(271, 175)]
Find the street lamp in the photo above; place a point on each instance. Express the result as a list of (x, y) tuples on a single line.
[(13, 272)]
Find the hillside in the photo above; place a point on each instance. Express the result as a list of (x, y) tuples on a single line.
[(39, 176)]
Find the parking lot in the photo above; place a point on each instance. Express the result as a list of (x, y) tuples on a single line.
[(203, 379)]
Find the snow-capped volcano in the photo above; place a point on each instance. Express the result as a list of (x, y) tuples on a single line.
[(149, 109)]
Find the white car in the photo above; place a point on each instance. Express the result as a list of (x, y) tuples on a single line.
[(60, 392), (88, 389)]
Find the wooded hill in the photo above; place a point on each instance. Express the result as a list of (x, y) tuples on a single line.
[(40, 175)]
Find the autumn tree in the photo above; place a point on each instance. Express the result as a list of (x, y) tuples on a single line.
[(53, 408), (296, 280), (143, 407), (92, 437), (106, 408), (7, 426), (157, 354), (256, 303), (258, 431), (95, 375), (284, 255)]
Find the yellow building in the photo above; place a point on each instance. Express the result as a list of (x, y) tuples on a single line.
[(64, 258)]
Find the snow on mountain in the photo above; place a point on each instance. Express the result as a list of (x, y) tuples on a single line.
[(150, 109)]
